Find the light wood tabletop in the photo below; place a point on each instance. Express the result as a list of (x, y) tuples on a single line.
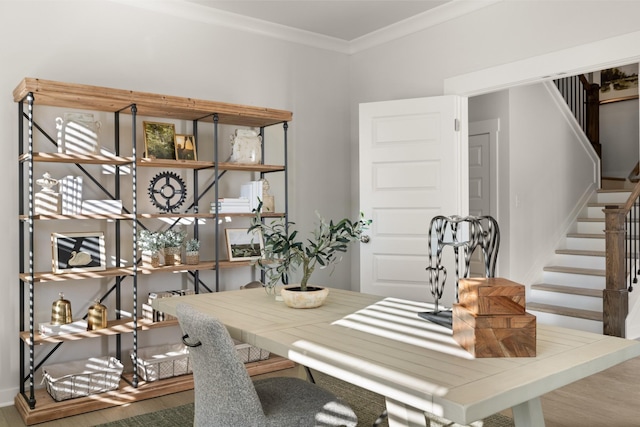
[(382, 345)]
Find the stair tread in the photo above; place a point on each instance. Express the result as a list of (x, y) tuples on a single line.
[(614, 190), (604, 204), (592, 235), (588, 219), (572, 290), (565, 311), (575, 270), (587, 235), (580, 252)]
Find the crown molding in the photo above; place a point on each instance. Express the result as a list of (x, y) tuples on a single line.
[(422, 21), (196, 12)]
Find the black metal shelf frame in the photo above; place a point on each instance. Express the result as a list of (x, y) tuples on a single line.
[(27, 229)]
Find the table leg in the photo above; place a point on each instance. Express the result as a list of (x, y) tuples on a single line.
[(528, 414), (401, 415)]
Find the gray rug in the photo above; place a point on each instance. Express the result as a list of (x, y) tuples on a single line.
[(367, 405)]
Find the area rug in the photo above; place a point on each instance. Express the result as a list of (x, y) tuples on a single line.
[(367, 405)]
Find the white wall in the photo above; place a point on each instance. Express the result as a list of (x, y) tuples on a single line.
[(552, 173), (619, 137), (110, 44)]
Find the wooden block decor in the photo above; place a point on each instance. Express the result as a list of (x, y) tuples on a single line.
[(500, 335), (492, 295)]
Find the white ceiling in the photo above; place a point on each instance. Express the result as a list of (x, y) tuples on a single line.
[(344, 20)]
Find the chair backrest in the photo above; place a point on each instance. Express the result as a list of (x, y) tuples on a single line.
[(224, 392)]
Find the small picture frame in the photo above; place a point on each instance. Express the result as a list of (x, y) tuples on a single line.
[(78, 252), (242, 245), (159, 140), (186, 147)]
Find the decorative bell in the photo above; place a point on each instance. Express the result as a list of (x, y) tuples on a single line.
[(61, 311), (97, 317)]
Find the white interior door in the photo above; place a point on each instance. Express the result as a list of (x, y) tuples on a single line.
[(413, 166), (482, 178), (479, 189)]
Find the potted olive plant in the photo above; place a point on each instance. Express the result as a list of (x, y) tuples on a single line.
[(173, 240), (285, 252), (150, 243), (192, 251)]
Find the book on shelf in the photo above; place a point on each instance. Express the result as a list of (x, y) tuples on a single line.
[(71, 194), (252, 191), (232, 205), (250, 196)]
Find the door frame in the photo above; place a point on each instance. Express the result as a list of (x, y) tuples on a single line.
[(492, 128), (599, 55)]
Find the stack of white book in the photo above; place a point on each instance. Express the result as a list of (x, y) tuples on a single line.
[(232, 205), (250, 196)]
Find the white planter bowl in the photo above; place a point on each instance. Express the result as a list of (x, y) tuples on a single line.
[(312, 298)]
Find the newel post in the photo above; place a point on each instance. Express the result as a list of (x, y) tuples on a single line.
[(615, 296)]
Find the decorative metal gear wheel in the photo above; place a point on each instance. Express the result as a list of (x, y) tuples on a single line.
[(167, 191)]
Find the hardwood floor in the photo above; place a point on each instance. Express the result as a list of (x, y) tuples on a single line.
[(609, 398)]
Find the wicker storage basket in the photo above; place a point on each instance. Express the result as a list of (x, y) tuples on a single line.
[(248, 353), (163, 361), (82, 378)]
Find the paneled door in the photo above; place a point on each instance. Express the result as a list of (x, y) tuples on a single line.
[(481, 180), (413, 166)]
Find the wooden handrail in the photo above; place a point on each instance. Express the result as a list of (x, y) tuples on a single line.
[(635, 194), (621, 228)]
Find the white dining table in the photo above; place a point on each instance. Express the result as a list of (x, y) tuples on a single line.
[(381, 344)]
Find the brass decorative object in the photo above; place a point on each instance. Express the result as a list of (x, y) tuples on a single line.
[(96, 317), (61, 311)]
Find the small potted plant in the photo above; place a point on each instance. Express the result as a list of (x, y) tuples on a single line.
[(150, 243), (192, 251), (173, 240), (284, 252)]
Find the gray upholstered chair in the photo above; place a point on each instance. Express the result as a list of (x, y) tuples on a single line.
[(225, 395)]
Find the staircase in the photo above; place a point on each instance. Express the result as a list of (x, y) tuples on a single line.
[(570, 294)]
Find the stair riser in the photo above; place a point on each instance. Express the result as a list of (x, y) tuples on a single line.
[(579, 261), (590, 227), (595, 212), (568, 300), (586, 244), (578, 280), (568, 322), (615, 197)]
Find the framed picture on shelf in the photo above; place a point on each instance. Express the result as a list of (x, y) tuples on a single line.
[(243, 246), (185, 147), (74, 252), (159, 140)]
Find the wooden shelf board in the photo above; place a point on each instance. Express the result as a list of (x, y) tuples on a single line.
[(77, 158), (175, 215), (114, 327), (56, 277), (176, 164), (202, 265), (48, 409), (78, 96), (192, 164), (128, 271), (77, 216)]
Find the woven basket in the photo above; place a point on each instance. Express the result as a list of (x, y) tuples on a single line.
[(82, 378)]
